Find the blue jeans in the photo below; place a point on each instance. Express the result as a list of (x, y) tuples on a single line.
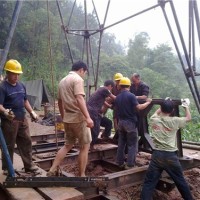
[(127, 136), (168, 161)]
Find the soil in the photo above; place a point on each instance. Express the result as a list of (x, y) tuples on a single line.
[(192, 176), (133, 193)]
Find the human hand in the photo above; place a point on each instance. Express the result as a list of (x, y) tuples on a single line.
[(34, 116), (185, 103), (89, 122), (149, 100), (9, 114)]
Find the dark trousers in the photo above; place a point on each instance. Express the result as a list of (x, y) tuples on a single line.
[(96, 117), (168, 161), (128, 136), (107, 124), (17, 132)]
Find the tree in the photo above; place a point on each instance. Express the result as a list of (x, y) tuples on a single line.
[(138, 50), (6, 10)]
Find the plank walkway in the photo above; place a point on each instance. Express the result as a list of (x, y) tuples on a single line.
[(51, 193)]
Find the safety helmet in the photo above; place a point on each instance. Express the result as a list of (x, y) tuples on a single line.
[(118, 76), (13, 66), (125, 81)]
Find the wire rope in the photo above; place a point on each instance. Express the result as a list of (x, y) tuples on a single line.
[(52, 70)]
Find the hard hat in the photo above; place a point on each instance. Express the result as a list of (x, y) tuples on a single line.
[(125, 81), (13, 66), (118, 76)]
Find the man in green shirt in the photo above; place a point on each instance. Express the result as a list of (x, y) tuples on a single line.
[(164, 157)]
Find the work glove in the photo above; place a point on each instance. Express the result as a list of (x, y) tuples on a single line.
[(9, 114), (185, 102), (168, 98), (34, 116)]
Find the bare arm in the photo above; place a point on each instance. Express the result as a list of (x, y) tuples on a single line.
[(28, 107), (144, 105), (2, 109), (33, 114), (187, 114), (112, 96), (158, 111), (107, 104), (143, 97), (83, 108)]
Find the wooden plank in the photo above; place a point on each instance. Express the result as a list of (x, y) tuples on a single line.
[(61, 193), (54, 193), (20, 193)]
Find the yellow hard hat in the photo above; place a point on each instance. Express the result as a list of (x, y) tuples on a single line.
[(125, 81), (13, 66), (118, 76)]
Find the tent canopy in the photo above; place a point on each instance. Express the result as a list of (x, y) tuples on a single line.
[(37, 93)]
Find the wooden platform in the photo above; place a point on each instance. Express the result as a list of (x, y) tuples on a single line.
[(51, 193), (191, 153)]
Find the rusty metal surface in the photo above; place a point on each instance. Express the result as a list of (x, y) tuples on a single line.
[(32, 182), (45, 137)]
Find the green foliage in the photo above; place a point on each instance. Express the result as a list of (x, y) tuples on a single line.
[(109, 114), (138, 50), (6, 9), (192, 130), (110, 65)]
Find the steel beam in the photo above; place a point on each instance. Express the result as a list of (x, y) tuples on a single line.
[(33, 182), (44, 138), (71, 158)]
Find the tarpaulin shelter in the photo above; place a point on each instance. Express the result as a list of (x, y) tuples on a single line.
[(37, 93)]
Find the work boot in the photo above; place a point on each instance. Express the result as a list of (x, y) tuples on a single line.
[(32, 169), (5, 172), (122, 166)]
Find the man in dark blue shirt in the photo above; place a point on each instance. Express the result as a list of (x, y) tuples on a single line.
[(139, 88), (95, 104), (14, 124), (127, 106)]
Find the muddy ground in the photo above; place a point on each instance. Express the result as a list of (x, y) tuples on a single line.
[(133, 193), (192, 176)]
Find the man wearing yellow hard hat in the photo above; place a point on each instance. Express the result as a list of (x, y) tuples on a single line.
[(127, 106), (14, 124), (116, 91)]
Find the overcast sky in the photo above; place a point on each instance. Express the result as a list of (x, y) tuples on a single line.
[(152, 21)]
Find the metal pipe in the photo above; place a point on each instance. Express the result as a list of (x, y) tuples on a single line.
[(191, 146), (11, 170), (13, 24), (190, 142)]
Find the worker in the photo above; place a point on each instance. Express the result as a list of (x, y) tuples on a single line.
[(14, 124), (126, 107), (139, 88), (77, 121), (116, 88), (164, 157), (94, 105), (116, 91), (141, 91)]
